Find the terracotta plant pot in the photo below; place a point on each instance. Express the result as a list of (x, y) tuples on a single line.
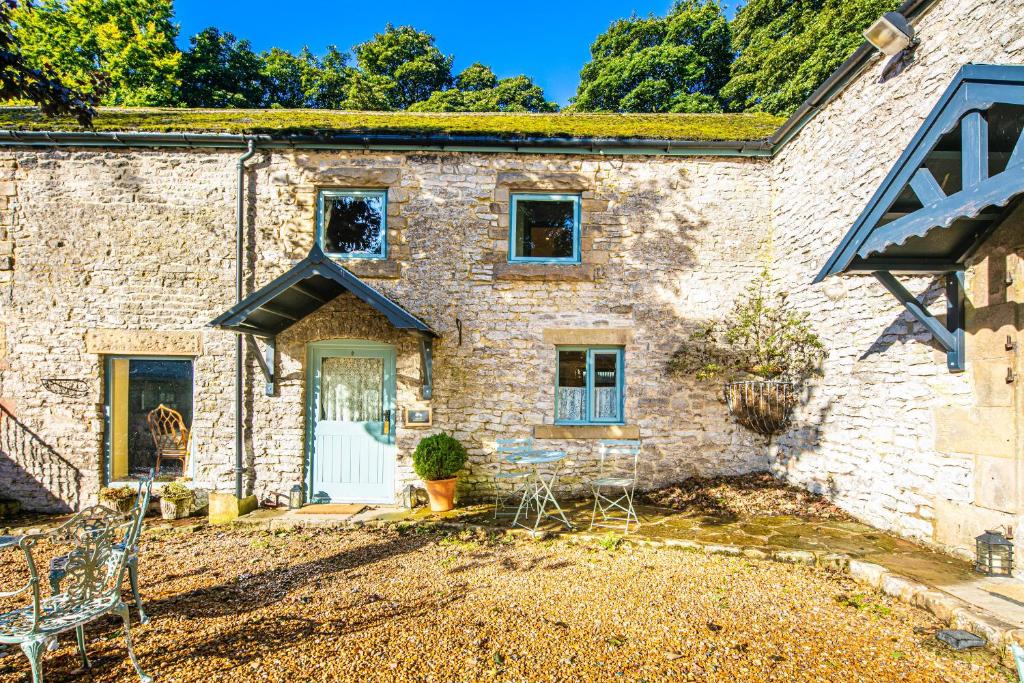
[(441, 494)]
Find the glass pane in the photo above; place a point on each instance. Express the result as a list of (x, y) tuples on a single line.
[(606, 386), (545, 229), (572, 386), (353, 224), (352, 389), (152, 383)]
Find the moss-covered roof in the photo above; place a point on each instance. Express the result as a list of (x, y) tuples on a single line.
[(282, 122)]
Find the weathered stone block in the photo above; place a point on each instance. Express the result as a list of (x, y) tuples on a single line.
[(981, 431), (225, 507)]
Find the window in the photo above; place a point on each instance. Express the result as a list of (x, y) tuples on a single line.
[(545, 227), (353, 223), (135, 386), (589, 386)]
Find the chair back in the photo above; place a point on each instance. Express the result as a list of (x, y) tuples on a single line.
[(511, 450), (619, 457), (170, 435)]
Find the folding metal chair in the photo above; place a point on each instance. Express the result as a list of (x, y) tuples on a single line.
[(511, 473), (615, 483), (1018, 659)]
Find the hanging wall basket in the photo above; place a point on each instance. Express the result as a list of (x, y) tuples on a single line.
[(762, 406)]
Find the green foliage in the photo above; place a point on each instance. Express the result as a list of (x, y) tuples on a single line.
[(130, 42), (516, 94), (116, 494), (304, 80), (610, 541), (279, 121), (476, 76), (787, 48), (675, 63), (762, 337), (438, 456), (404, 64), (176, 491), (220, 71)]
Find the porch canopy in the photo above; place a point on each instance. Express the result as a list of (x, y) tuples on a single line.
[(305, 288), (961, 175)]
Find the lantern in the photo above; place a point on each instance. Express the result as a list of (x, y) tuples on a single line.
[(995, 554), (295, 497)]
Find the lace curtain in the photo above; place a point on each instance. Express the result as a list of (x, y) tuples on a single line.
[(351, 389)]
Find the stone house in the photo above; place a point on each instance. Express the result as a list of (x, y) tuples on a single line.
[(416, 274)]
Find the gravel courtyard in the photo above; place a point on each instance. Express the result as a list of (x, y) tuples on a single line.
[(409, 604)]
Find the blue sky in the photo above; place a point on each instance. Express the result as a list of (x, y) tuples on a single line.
[(548, 40)]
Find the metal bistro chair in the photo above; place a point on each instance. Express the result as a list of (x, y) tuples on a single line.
[(510, 471), (59, 564), (170, 436), (615, 483), (95, 572)]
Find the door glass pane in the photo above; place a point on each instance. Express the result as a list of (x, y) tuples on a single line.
[(352, 389), (353, 224), (572, 386), (606, 386), (150, 384), (545, 229)]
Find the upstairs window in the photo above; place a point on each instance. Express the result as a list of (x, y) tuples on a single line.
[(589, 385), (353, 223), (545, 227)]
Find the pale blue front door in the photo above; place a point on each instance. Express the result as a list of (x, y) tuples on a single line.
[(351, 408)]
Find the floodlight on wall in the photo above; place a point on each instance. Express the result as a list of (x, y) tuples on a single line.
[(891, 33)]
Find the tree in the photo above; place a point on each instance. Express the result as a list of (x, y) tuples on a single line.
[(787, 48), (675, 63), (131, 42), (221, 71), (476, 76), (397, 68), (479, 90), (19, 80)]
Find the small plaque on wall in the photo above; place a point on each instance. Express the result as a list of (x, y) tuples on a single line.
[(419, 417)]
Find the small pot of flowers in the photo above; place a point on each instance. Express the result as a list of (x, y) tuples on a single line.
[(436, 459), (176, 501), (121, 498)]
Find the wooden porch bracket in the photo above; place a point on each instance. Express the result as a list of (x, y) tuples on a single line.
[(267, 360), (950, 335), (426, 366)]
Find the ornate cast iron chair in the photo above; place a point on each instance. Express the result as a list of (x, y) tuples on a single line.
[(615, 483), (95, 572), (59, 564), (170, 435), (511, 472)]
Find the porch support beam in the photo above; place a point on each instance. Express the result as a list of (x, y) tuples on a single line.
[(950, 335), (267, 360), (974, 140), (426, 366)]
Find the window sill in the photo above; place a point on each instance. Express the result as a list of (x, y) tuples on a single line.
[(384, 269), (544, 272), (586, 432)]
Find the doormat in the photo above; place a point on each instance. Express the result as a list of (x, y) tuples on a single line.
[(331, 509)]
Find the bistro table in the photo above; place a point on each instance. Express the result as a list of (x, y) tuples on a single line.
[(9, 540), (538, 492)]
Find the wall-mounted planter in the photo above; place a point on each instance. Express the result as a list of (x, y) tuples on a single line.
[(763, 406)]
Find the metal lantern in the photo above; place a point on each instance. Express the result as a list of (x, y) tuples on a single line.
[(995, 554), (295, 497)]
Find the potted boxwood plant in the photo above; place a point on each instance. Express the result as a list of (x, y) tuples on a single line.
[(120, 498), (436, 459), (176, 501)]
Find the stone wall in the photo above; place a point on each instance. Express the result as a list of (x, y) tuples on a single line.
[(142, 241), (889, 433)]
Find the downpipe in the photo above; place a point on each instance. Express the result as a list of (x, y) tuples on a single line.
[(239, 351)]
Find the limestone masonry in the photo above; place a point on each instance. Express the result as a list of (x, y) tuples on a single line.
[(130, 251)]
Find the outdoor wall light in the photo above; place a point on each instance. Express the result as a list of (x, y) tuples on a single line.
[(891, 33), (995, 554)]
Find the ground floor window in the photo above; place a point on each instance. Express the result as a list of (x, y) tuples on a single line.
[(589, 385), (135, 388)]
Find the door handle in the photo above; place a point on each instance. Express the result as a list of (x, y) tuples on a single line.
[(387, 422)]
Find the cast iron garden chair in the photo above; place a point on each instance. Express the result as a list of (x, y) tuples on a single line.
[(59, 564), (510, 472), (615, 483), (170, 436), (95, 572)]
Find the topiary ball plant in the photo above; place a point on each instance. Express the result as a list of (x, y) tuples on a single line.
[(438, 457)]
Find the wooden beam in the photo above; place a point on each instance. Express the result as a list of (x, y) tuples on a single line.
[(974, 139), (919, 266), (302, 289), (266, 360), (926, 187), (953, 340), (1017, 155), (279, 312)]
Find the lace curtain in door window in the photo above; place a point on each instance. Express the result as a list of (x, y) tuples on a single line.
[(351, 389)]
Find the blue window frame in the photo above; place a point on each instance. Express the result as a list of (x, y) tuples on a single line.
[(353, 223), (589, 385), (544, 228)]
